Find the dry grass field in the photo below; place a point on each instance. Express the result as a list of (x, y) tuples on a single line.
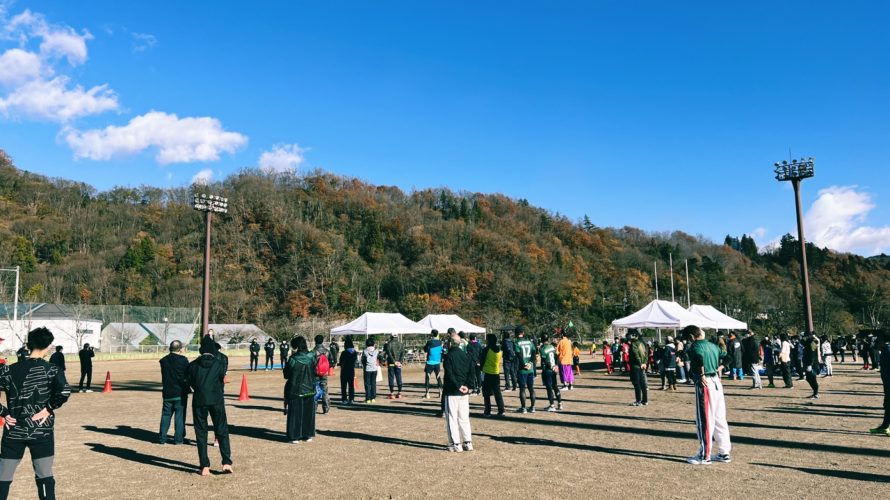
[(783, 443)]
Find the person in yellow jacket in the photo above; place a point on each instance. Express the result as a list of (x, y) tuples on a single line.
[(492, 359), (565, 353)]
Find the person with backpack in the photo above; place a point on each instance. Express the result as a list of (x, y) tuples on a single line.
[(369, 362), (300, 373), (348, 359), (34, 390), (395, 356), (322, 371)]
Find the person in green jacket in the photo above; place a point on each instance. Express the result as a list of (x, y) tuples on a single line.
[(639, 359), (300, 375)]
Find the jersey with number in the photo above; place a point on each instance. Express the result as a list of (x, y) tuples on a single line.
[(548, 356), (525, 351)]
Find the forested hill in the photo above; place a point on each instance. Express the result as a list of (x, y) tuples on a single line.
[(295, 246)]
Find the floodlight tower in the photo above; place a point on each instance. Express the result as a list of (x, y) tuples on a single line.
[(795, 172), (209, 204)]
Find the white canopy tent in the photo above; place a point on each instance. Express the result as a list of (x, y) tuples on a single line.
[(443, 322), (376, 323), (712, 318), (658, 314)]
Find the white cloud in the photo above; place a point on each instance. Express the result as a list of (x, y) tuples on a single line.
[(55, 100), (837, 220), (18, 66), (203, 177), (143, 41), (282, 157), (178, 140), (57, 41), (758, 233)]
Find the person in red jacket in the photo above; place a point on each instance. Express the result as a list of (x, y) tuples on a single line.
[(607, 356), (625, 355)]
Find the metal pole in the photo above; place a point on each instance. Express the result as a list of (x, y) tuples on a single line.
[(205, 296), (688, 296), (15, 305), (671, 260), (656, 279), (804, 273)]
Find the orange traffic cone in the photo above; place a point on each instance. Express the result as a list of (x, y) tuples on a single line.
[(244, 396), (107, 387)]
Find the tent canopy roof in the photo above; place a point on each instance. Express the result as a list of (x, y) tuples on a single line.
[(443, 322), (711, 317), (375, 323), (658, 314)]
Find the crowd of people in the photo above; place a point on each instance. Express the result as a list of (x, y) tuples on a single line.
[(456, 365)]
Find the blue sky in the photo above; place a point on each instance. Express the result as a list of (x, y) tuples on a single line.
[(659, 115)]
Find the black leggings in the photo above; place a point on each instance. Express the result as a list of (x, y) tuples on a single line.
[(641, 386), (671, 376), (491, 386), (812, 380), (347, 387)]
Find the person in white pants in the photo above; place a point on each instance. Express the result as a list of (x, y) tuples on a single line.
[(456, 389), (710, 405), (826, 356)]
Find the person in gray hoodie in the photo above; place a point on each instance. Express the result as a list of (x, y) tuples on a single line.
[(395, 356), (369, 362)]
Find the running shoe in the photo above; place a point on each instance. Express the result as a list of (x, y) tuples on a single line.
[(698, 461), (723, 458), (531, 410), (468, 446), (521, 410), (551, 409)]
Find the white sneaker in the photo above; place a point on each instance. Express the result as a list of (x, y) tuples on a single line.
[(551, 408), (309, 440), (468, 446), (455, 448), (88, 390), (696, 460)]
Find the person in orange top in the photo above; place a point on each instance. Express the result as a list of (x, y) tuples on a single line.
[(564, 351), (576, 357)]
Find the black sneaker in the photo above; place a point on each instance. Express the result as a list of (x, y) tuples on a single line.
[(724, 458)]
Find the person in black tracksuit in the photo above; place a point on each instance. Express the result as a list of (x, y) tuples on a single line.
[(883, 343), (58, 358), (511, 367), (175, 390), (270, 354), (474, 351), (86, 367), (811, 361), (347, 361), (34, 390), (254, 355), (206, 376), (283, 349)]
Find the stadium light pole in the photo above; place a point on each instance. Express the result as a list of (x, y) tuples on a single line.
[(795, 172), (209, 204)]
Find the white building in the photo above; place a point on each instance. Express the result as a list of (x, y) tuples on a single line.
[(70, 329)]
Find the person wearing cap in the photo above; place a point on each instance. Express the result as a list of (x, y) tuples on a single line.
[(206, 376), (883, 342), (710, 405), (639, 357), (433, 350)]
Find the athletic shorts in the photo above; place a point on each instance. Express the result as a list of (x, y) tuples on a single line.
[(526, 380), (14, 449), (432, 369)]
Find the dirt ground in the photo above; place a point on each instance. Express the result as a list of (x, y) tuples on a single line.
[(782, 444)]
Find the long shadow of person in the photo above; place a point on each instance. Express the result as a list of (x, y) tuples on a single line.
[(142, 458), (380, 439), (126, 431), (842, 474), (520, 440)]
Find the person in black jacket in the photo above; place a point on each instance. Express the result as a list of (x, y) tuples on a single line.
[(22, 354), (348, 358), (474, 351), (283, 349), (254, 355), (395, 356), (752, 358), (86, 367), (300, 375), (58, 359), (34, 390), (270, 354), (456, 389), (510, 368), (205, 377), (174, 367)]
